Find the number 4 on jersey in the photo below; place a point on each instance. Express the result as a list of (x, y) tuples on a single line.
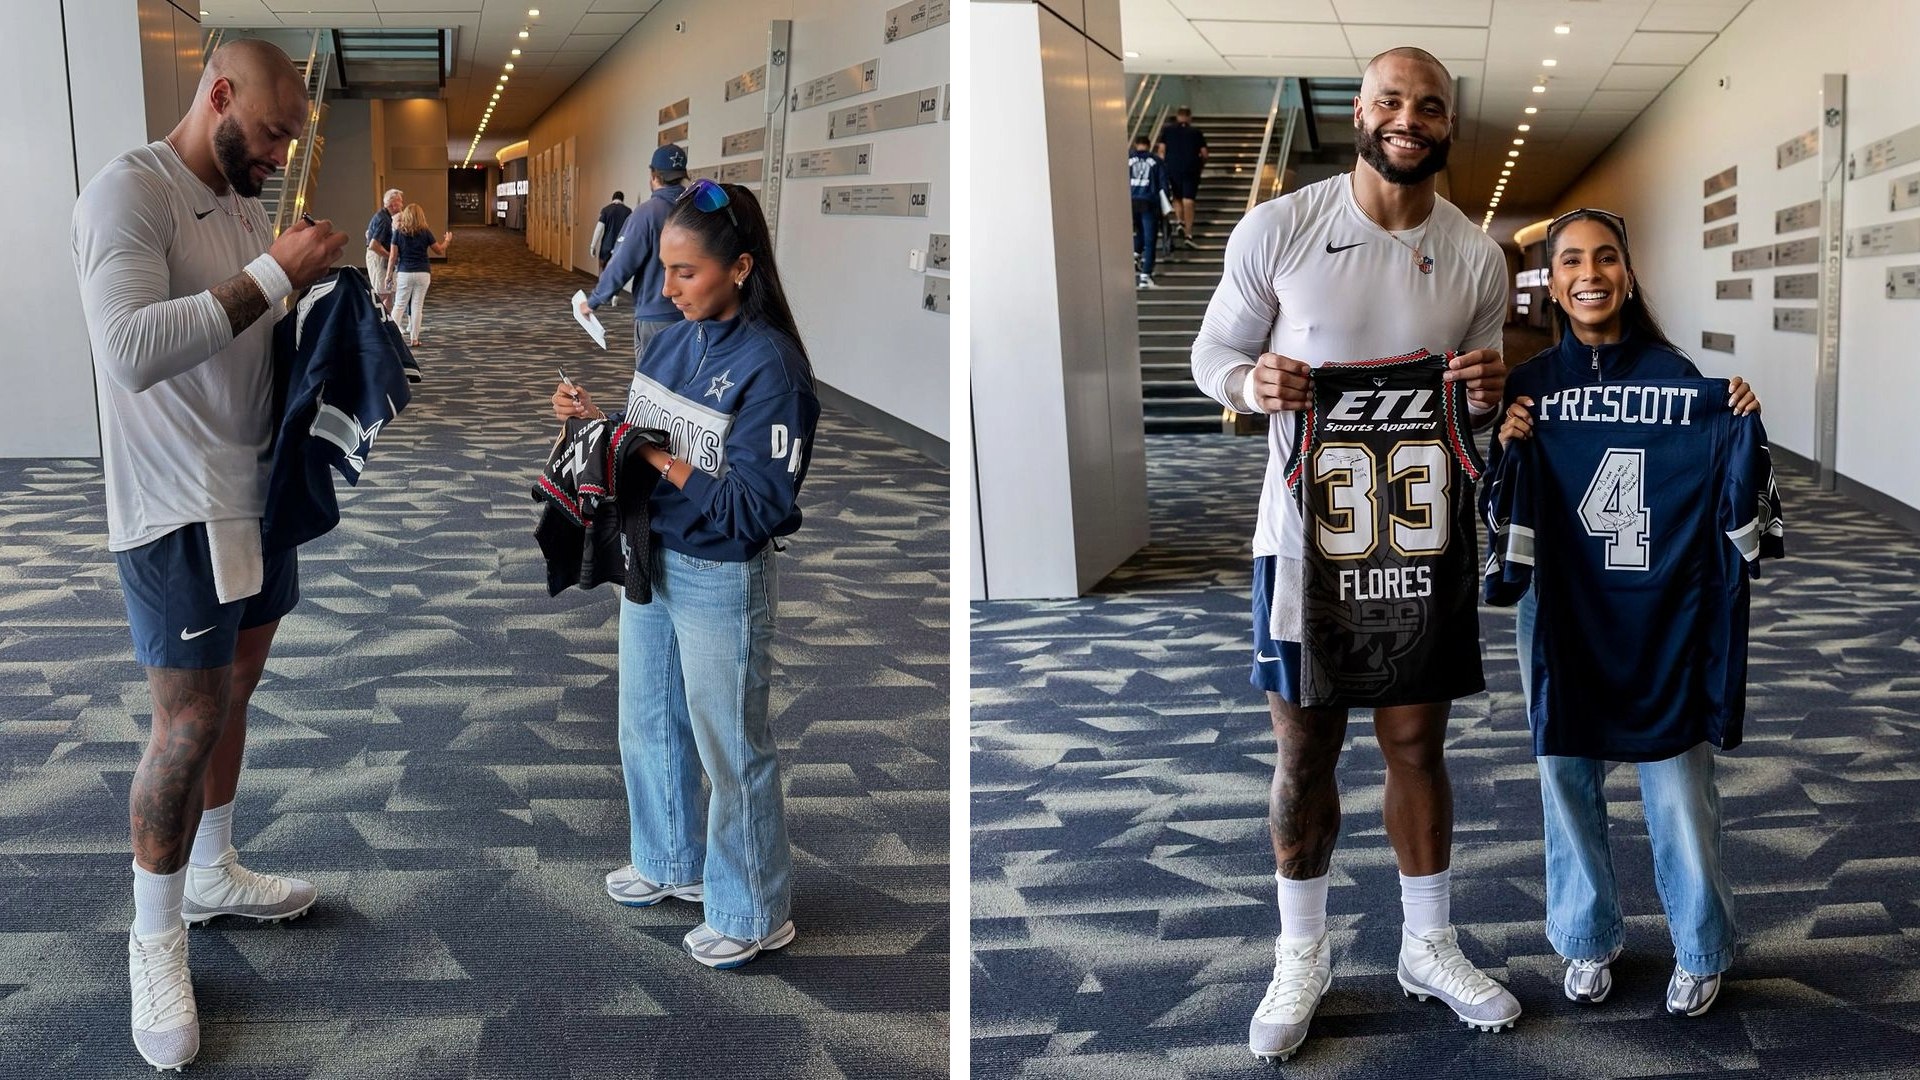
[(1615, 510)]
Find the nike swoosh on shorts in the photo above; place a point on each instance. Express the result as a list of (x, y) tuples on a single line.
[(184, 636)]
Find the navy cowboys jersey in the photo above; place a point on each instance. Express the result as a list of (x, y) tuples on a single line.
[(339, 377), (1636, 512), (1383, 474)]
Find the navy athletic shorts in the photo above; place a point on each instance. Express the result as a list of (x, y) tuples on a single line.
[(1276, 664), (1184, 185), (176, 619)]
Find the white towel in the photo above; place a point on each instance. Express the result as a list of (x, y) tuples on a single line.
[(1284, 621), (234, 546)]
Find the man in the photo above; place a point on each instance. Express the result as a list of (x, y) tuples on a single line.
[(380, 238), (181, 281), (613, 218), (1371, 264), (1146, 180), (1183, 148), (637, 252)]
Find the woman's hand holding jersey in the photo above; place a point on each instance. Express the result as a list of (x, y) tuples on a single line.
[(1518, 423)]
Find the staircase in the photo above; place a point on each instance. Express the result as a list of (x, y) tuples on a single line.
[(1170, 315)]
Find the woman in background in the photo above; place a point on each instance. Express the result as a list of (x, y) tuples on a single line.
[(412, 243)]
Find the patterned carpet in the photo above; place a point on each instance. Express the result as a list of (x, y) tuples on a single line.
[(1122, 888), (434, 745)]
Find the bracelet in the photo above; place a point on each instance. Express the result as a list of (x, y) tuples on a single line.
[(666, 471)]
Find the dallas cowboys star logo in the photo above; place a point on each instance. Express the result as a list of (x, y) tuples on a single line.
[(719, 386)]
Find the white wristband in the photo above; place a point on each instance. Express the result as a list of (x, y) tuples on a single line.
[(1238, 397), (1474, 408), (266, 273)]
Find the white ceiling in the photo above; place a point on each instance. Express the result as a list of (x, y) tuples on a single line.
[(1619, 56), (562, 44)]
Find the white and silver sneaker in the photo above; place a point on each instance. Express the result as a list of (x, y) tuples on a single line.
[(1589, 981), (717, 950), (227, 888), (1431, 965), (166, 1022), (629, 887), (1689, 994), (1301, 974)]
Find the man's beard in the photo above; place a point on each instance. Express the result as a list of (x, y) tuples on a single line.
[(1373, 150), (230, 151)]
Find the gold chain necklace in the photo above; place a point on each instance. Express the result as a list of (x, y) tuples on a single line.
[(232, 195), (1420, 258)]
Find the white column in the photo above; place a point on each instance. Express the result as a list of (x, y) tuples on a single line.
[(1059, 476)]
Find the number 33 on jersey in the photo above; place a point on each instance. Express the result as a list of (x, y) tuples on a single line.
[(1383, 474)]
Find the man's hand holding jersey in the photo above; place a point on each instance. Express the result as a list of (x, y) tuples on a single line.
[(1281, 383)]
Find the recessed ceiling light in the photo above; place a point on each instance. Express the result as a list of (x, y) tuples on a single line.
[(1513, 153), (1531, 110), (1540, 89), (516, 52), (1526, 127), (509, 66), (533, 13), (1519, 142), (1563, 28), (1549, 62), (1131, 55), (503, 78), (523, 33)]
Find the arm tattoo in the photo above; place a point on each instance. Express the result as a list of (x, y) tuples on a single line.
[(241, 299), (189, 712)]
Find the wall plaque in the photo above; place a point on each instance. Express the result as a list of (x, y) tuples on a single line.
[(1796, 287), (936, 294), (909, 19), (732, 172), (751, 141), (1733, 289), (751, 82), (1904, 193), (1805, 215), (905, 110), (1722, 236), (1892, 238), (1795, 320), (675, 134), (940, 252), (676, 110), (1802, 252), (1721, 181), (1884, 154), (1760, 258), (1903, 282), (1725, 208), (858, 79), (1716, 342), (876, 200), (1797, 149), (852, 160)]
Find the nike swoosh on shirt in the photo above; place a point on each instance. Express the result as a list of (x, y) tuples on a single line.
[(1331, 250), (201, 215), (184, 636)]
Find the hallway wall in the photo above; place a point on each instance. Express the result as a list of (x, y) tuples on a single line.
[(857, 301), (1772, 58)]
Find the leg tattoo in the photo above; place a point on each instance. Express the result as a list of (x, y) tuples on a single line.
[(1303, 807), (163, 808)]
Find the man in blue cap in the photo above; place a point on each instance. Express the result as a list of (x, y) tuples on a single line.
[(637, 252)]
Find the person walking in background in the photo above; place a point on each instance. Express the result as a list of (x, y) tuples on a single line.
[(412, 244), (1183, 148), (380, 239), (1147, 181), (181, 280), (636, 254), (733, 385), (606, 233)]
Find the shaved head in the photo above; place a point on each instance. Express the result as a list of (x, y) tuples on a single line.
[(1393, 61), (250, 105)]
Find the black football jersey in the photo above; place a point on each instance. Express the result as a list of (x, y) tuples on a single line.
[(1383, 473)]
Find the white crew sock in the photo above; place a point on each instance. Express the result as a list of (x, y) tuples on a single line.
[(1427, 902), (215, 836), (1303, 908), (156, 901)]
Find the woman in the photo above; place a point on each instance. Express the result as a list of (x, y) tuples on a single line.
[(733, 385), (412, 243), (1609, 333)]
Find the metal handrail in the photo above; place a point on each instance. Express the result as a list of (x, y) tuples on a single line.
[(1153, 133), (1142, 101), (293, 191), (1294, 117), (1266, 141)]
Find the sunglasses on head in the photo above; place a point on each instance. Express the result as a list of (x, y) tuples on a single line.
[(708, 196), (1619, 223)]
